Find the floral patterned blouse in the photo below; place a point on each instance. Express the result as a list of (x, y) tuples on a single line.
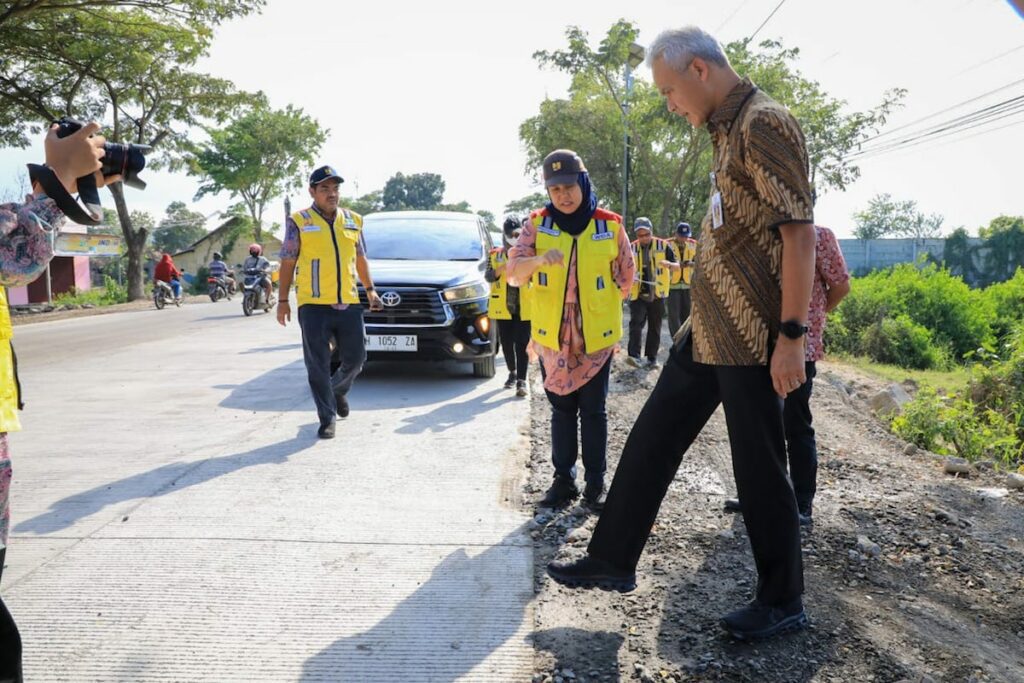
[(829, 271), (570, 367)]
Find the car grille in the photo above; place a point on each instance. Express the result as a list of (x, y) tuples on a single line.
[(419, 306)]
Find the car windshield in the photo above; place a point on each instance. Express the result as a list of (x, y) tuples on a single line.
[(422, 239)]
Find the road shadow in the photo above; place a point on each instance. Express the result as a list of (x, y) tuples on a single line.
[(161, 481), (442, 631), (272, 349), (448, 414), (381, 386)]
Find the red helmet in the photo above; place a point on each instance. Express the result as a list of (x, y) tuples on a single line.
[(255, 250)]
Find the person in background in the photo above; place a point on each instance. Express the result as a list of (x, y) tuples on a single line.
[(218, 269), (166, 271), (679, 291), (508, 306), (655, 264)]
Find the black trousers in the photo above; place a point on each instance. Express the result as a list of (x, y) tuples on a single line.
[(678, 309), (800, 443), (319, 323), (514, 336), (585, 408), (686, 395), (10, 639), (652, 313)]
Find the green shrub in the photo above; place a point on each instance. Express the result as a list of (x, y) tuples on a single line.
[(109, 294), (199, 284), (1006, 301), (901, 341)]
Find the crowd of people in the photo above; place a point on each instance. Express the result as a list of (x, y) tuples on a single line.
[(746, 306)]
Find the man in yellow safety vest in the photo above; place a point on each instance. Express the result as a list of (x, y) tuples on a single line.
[(656, 267)]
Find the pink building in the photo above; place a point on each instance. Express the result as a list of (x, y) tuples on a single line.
[(65, 272)]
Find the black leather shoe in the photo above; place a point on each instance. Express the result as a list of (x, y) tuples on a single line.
[(326, 431), (594, 496), (805, 512), (342, 403), (511, 381), (757, 621), (561, 492), (731, 505), (589, 572)]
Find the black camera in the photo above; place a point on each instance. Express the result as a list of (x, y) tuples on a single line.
[(118, 158)]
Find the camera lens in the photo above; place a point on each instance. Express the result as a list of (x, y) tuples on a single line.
[(127, 160)]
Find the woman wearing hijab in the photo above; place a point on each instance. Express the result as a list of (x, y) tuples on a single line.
[(508, 307), (578, 260)]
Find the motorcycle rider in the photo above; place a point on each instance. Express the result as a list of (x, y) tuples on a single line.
[(219, 270), (258, 262), (166, 271)]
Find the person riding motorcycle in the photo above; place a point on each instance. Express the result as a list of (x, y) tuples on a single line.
[(218, 269), (166, 271), (258, 264)]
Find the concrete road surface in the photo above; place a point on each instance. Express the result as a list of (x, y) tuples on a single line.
[(175, 517)]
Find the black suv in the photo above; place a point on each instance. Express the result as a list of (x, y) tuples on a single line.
[(428, 268)]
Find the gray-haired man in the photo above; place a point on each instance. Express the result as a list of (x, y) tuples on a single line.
[(743, 346)]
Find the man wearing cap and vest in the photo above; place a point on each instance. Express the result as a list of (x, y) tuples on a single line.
[(656, 268), (509, 306), (323, 249), (577, 260), (679, 291)]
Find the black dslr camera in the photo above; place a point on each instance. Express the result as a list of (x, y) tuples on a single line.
[(118, 158)]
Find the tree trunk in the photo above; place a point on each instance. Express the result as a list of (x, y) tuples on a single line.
[(135, 242)]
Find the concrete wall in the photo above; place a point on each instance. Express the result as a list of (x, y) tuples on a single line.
[(865, 255)]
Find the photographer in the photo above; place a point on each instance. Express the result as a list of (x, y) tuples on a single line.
[(25, 251)]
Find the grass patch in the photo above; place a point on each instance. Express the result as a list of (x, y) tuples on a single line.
[(944, 381), (108, 295)]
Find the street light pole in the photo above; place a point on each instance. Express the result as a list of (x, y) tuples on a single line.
[(635, 58)]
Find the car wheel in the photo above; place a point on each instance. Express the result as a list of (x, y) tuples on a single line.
[(484, 368)]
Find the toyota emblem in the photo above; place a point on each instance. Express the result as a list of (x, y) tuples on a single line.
[(391, 299)]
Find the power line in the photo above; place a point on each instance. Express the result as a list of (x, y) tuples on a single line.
[(731, 16), (990, 60), (768, 18)]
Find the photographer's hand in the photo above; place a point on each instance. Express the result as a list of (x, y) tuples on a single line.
[(74, 156)]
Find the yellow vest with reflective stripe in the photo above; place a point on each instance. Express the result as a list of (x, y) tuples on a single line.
[(9, 421), (497, 309), (326, 268), (662, 275), (600, 300), (689, 253)]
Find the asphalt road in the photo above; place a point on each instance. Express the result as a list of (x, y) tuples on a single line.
[(176, 518)]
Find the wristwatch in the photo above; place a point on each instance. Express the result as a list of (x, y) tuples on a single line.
[(370, 289), (793, 329)]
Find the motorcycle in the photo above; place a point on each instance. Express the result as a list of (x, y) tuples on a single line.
[(220, 288), (254, 296), (163, 295)]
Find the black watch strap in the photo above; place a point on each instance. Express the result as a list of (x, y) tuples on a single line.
[(793, 329)]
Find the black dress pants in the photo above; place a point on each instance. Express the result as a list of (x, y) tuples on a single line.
[(652, 313), (514, 336), (686, 395)]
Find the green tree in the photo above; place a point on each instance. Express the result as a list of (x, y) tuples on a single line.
[(489, 220), (257, 157), (178, 229), (419, 191), (370, 202), (133, 63), (525, 205), (669, 174), (887, 217), (1004, 248), (958, 256)]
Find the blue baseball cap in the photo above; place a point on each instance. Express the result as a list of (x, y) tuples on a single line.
[(324, 173), (643, 223), (683, 229)]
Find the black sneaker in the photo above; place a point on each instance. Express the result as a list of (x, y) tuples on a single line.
[(521, 388), (590, 572), (731, 505), (562, 491), (757, 621), (594, 495), (634, 361), (326, 431), (342, 402), (511, 381)]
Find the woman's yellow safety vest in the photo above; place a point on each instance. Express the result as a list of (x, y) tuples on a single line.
[(600, 301), (9, 398), (326, 269), (662, 275), (497, 309), (689, 254)]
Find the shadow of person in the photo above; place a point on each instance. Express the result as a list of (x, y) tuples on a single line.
[(469, 608), (272, 349), (448, 415), (589, 655), (161, 481)]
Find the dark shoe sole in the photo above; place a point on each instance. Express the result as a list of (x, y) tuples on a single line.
[(342, 403), (730, 506), (796, 622), (605, 583), (323, 435), (557, 505)]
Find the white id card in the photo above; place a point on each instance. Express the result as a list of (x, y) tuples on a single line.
[(717, 217)]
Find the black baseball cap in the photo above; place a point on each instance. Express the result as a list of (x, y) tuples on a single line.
[(324, 173), (562, 167), (643, 223), (683, 229)]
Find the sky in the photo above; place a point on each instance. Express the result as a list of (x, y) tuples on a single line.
[(443, 86)]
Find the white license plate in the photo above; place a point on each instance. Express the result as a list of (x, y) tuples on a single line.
[(392, 342)]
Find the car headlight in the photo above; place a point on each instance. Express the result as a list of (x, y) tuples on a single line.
[(477, 290)]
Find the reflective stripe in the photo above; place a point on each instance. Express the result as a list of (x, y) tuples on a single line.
[(315, 272), (542, 279)]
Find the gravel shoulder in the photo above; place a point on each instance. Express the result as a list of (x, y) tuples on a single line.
[(911, 574)]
